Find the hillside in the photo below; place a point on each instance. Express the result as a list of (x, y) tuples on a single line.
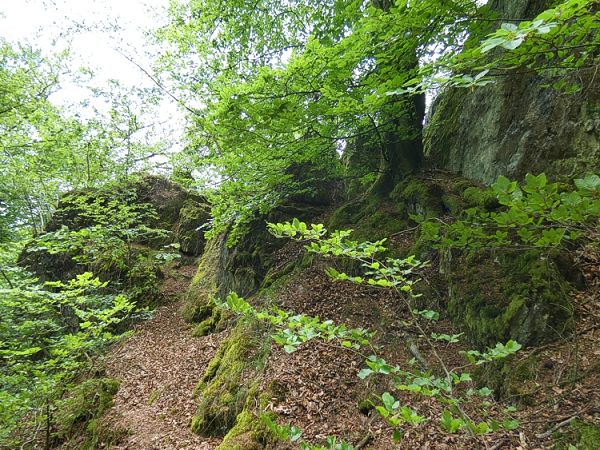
[(380, 230)]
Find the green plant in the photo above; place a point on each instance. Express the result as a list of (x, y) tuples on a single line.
[(536, 214), (444, 383), (293, 435), (47, 338), (109, 234)]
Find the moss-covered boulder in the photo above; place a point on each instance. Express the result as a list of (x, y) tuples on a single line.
[(118, 232), (223, 389), (199, 305), (87, 401), (172, 208), (426, 195), (188, 230), (496, 296), (240, 268), (249, 431)]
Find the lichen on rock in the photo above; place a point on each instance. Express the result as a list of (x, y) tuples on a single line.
[(501, 295)]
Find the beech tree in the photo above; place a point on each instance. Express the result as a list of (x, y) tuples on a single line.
[(288, 85), (46, 149)]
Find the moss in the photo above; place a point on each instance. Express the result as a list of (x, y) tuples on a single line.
[(348, 214), (461, 184), (480, 198), (452, 203), (418, 196), (277, 275), (369, 217), (198, 299), (512, 295), (216, 321), (188, 232), (225, 385), (87, 401), (587, 435), (512, 378), (249, 431), (582, 435)]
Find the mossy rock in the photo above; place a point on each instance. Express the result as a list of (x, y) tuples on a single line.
[(227, 381), (166, 197), (85, 402), (249, 431), (244, 266), (240, 268), (516, 295), (512, 378), (369, 217), (419, 197), (199, 306), (49, 266), (204, 284), (193, 215), (133, 269), (483, 199)]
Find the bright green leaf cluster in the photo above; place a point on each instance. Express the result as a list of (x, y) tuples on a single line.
[(534, 214)]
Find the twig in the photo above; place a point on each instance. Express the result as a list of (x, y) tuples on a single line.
[(10, 285), (412, 346), (556, 427), (367, 438), (405, 231), (364, 441)]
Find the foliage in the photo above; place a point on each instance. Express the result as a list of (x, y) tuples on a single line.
[(558, 41), (294, 330), (288, 85), (280, 100), (446, 384), (106, 233), (46, 150), (537, 214), (50, 333), (47, 338), (293, 435)]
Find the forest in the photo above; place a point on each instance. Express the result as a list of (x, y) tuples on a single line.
[(375, 225)]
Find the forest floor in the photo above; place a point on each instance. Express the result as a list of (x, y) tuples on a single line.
[(158, 367), (325, 397), (160, 364)]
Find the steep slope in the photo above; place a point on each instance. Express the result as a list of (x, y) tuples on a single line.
[(317, 389)]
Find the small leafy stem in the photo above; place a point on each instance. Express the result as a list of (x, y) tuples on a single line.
[(397, 274)]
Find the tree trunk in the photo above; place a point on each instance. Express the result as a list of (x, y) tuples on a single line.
[(402, 152)]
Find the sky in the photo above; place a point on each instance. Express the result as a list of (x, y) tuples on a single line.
[(45, 23), (92, 30)]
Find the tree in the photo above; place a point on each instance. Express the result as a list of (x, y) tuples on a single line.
[(288, 85), (45, 150)]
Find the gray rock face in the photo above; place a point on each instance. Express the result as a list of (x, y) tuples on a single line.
[(516, 125)]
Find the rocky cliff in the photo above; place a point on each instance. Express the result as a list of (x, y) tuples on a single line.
[(517, 125)]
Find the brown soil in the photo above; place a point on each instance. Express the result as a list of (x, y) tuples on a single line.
[(159, 366)]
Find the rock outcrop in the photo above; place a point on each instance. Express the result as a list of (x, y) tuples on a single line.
[(517, 125), (152, 213)]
